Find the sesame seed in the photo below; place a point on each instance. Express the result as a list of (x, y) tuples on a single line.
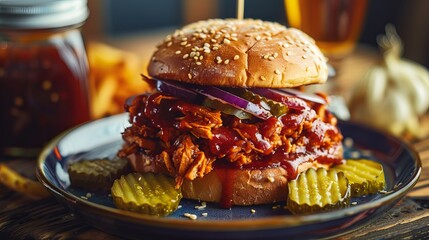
[(178, 52), (271, 58), (201, 57), (262, 78), (188, 45), (198, 63), (266, 56), (196, 58), (183, 43), (184, 39), (248, 35), (215, 48), (213, 40), (226, 40), (218, 58), (219, 61), (207, 50), (234, 34), (203, 35), (204, 214), (304, 57), (277, 72), (189, 76), (185, 56), (217, 36), (226, 61), (271, 179), (252, 210), (234, 39), (202, 206), (190, 216), (258, 38), (275, 55), (236, 57), (305, 50), (169, 44), (307, 69)]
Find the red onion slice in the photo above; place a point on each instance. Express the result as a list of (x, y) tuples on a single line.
[(227, 97), (303, 95), (177, 89)]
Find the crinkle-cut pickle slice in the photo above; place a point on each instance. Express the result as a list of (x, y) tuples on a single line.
[(146, 193), (96, 174), (317, 191), (365, 176)]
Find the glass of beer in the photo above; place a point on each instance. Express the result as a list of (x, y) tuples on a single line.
[(334, 24)]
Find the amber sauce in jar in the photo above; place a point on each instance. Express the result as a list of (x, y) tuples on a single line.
[(43, 84)]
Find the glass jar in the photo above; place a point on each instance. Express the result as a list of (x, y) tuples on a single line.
[(43, 72)]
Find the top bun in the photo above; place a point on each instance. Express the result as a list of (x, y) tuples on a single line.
[(239, 53)]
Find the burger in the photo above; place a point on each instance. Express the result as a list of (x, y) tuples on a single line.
[(227, 121)]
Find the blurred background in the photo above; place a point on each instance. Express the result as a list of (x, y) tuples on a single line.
[(113, 19)]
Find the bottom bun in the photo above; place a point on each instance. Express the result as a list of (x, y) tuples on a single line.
[(229, 186), (241, 186)]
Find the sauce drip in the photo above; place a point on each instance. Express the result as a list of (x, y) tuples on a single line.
[(227, 177)]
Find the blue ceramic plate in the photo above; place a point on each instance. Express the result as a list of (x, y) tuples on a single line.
[(102, 138)]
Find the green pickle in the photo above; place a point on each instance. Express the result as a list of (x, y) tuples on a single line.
[(365, 176), (96, 175), (318, 191), (226, 108), (146, 193), (275, 108)]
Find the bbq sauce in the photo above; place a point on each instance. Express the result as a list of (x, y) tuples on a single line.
[(43, 73), (164, 113)]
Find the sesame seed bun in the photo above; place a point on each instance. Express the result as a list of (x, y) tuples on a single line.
[(239, 53)]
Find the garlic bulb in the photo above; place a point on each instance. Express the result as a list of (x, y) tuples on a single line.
[(393, 95)]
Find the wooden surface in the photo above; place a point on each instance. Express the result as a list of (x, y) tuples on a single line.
[(23, 218)]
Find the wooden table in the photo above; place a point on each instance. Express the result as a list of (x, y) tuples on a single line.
[(22, 218)]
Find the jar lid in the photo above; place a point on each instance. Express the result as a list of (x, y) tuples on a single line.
[(42, 14)]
